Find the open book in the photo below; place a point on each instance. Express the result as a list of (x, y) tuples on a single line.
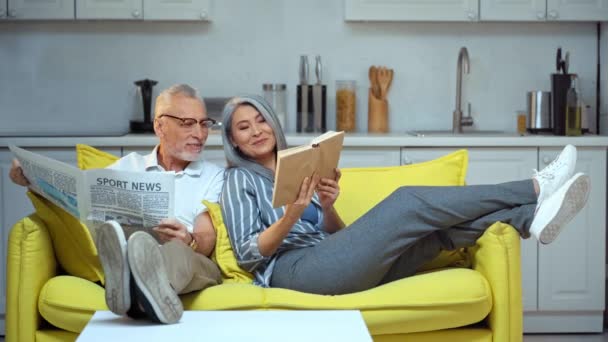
[(296, 163), (93, 196)]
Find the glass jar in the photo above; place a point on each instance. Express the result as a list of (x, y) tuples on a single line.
[(276, 95), (346, 105)]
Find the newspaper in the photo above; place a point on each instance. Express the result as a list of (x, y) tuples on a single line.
[(138, 199)]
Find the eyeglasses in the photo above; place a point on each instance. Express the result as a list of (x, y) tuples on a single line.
[(189, 123)]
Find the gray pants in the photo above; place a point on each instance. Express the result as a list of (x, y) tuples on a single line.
[(407, 229)]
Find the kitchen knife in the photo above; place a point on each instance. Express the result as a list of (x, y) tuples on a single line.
[(317, 96), (566, 63), (304, 111)]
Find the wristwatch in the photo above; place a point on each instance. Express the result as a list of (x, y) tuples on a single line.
[(193, 244)]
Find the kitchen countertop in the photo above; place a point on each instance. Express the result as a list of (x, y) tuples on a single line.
[(351, 140)]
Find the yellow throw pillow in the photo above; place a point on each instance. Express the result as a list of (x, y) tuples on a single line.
[(223, 255), (72, 242), (91, 158), (362, 188)]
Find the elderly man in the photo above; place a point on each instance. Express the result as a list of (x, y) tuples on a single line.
[(144, 279)]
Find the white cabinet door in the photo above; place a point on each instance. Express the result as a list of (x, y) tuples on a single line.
[(39, 9), (589, 10), (109, 9), (571, 269), (176, 9), (412, 10), (369, 157), (491, 166), (513, 10)]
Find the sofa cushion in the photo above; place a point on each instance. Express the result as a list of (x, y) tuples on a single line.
[(69, 302), (223, 254), (72, 242), (440, 299), (363, 188)]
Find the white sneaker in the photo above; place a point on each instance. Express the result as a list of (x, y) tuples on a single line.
[(554, 175), (559, 208), (112, 249)]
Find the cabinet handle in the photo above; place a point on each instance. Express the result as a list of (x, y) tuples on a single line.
[(203, 15), (546, 160), (135, 14), (472, 15), (407, 161), (540, 15), (553, 14), (12, 14)]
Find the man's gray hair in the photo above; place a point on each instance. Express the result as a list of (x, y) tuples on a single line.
[(179, 89), (233, 156)]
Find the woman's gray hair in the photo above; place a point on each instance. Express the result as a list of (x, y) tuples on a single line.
[(233, 156)]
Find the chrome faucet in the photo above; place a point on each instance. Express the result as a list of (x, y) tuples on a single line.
[(458, 120)]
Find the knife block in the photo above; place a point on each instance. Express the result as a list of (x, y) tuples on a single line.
[(377, 115)]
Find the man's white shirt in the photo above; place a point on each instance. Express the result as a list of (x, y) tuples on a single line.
[(201, 180)]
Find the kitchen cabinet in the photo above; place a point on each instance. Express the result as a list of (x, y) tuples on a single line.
[(571, 276), (412, 10), (369, 156), (541, 10), (143, 10), (36, 9)]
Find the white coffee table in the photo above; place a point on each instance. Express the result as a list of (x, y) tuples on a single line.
[(245, 326)]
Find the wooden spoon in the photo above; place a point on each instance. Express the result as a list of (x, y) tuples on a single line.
[(384, 81), (373, 81)]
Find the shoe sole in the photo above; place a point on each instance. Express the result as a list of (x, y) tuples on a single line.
[(112, 250), (574, 200), (150, 276)]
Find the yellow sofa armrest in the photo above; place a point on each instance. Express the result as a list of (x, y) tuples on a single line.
[(30, 264), (497, 256)]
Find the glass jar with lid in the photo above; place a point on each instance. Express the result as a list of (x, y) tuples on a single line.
[(346, 105), (276, 95)]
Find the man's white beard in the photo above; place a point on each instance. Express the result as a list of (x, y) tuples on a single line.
[(189, 156)]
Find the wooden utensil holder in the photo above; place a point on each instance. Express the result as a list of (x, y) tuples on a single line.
[(377, 115)]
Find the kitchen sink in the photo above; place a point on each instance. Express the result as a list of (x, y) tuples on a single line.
[(449, 133)]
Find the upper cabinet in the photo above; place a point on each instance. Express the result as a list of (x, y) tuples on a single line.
[(412, 10), (36, 9), (109, 9), (476, 10), (541, 10), (577, 10), (176, 9), (143, 10)]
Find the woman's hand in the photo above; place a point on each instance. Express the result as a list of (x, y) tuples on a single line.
[(329, 190), (16, 174), (171, 229), (307, 190)]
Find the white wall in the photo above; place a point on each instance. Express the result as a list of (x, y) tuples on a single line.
[(76, 77)]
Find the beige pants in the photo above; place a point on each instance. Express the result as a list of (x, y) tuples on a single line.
[(187, 270)]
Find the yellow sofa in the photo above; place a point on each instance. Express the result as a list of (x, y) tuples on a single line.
[(466, 295)]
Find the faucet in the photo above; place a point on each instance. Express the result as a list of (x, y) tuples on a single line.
[(458, 120)]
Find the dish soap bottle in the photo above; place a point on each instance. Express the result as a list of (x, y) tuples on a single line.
[(573, 110)]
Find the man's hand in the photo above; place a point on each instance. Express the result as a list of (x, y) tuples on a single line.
[(172, 229), (16, 174)]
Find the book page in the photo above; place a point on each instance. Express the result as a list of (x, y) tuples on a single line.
[(56, 181), (293, 165)]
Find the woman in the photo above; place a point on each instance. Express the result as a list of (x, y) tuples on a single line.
[(303, 247)]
